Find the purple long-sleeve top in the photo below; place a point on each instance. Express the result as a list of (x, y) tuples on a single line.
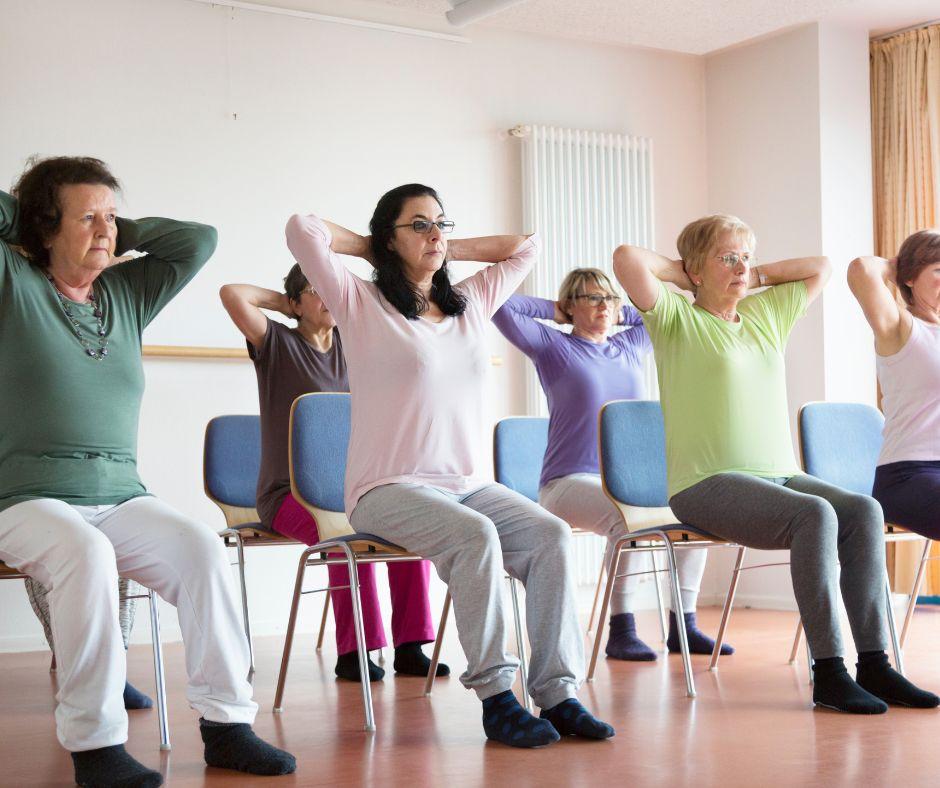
[(577, 376)]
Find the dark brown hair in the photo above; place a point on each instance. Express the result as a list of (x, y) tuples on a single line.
[(294, 285), (918, 251), (37, 192)]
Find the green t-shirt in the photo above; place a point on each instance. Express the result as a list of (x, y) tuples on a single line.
[(723, 385), (68, 422)]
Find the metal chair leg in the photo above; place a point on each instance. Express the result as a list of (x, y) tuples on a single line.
[(918, 581), (605, 603), (158, 671), (240, 549), (663, 617), (797, 639), (893, 630), (520, 646), (726, 612), (436, 654), (326, 610), (680, 617), (360, 637), (597, 594), (289, 637)]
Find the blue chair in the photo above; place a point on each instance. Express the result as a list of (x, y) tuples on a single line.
[(231, 463), (319, 439), (840, 443), (519, 445), (633, 471)]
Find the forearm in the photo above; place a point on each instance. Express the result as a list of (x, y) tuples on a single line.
[(8, 219), (487, 249), (186, 243), (797, 269), (347, 242), (869, 272), (660, 266), (255, 296)]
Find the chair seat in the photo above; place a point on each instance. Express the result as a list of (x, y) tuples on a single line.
[(9, 573), (898, 533), (362, 543), (256, 534), (676, 533)]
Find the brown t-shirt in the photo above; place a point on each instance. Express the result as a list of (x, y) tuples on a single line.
[(287, 366)]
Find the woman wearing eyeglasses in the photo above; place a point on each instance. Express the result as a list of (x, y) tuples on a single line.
[(729, 454), (416, 355), (579, 372)]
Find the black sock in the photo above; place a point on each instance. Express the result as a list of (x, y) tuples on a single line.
[(347, 667), (570, 718), (235, 746), (410, 660), (506, 721), (623, 643), (134, 698), (833, 688), (112, 767), (876, 675), (699, 642)]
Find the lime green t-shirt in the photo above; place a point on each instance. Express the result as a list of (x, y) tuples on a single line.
[(68, 422), (723, 385)]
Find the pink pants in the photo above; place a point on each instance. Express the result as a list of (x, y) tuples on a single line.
[(407, 581)]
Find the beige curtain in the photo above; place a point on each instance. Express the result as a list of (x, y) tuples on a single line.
[(905, 115)]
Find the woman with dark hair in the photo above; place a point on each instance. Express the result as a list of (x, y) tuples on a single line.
[(579, 372), (729, 455), (907, 357), (416, 352), (74, 513), (290, 362)]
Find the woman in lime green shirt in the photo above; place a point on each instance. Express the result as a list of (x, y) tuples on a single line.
[(720, 361)]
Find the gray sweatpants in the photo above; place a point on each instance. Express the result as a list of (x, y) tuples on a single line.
[(822, 526), (473, 540)]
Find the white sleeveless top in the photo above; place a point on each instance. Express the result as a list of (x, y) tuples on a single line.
[(910, 385)]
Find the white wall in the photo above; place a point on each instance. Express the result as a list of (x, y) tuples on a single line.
[(328, 117)]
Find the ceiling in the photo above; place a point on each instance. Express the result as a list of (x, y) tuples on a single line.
[(691, 26)]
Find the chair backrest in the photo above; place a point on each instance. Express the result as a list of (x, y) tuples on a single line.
[(319, 441), (232, 461), (840, 442), (633, 452), (519, 444)]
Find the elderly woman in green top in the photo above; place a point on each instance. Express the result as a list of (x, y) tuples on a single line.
[(720, 360), (74, 514)]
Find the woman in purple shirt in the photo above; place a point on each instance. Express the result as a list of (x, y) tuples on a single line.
[(579, 372)]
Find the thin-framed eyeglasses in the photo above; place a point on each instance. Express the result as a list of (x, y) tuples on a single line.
[(595, 299), (423, 226), (731, 259)]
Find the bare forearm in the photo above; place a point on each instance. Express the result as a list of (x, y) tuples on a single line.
[(347, 242), (487, 249), (797, 269), (255, 296)]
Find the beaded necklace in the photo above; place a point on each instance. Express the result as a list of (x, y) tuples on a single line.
[(97, 353)]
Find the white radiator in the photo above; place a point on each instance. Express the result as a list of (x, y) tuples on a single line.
[(585, 193)]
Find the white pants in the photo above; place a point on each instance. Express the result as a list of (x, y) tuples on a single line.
[(77, 552), (580, 500)]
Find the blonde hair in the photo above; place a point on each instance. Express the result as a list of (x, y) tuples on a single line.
[(578, 279), (700, 238)]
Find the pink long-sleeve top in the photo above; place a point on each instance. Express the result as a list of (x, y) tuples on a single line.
[(417, 387)]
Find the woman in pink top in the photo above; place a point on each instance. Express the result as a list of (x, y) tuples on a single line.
[(907, 347), (416, 355)]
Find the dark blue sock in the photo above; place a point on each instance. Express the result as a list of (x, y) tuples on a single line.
[(235, 746), (506, 721), (834, 689), (875, 675), (112, 767), (623, 643), (347, 667), (570, 718), (134, 698), (699, 642)]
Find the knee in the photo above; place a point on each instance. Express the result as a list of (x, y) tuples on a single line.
[(820, 517), (479, 535), (864, 511), (200, 547), (554, 534), (90, 556)]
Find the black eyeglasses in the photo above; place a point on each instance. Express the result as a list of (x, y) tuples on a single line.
[(595, 299), (423, 226)]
